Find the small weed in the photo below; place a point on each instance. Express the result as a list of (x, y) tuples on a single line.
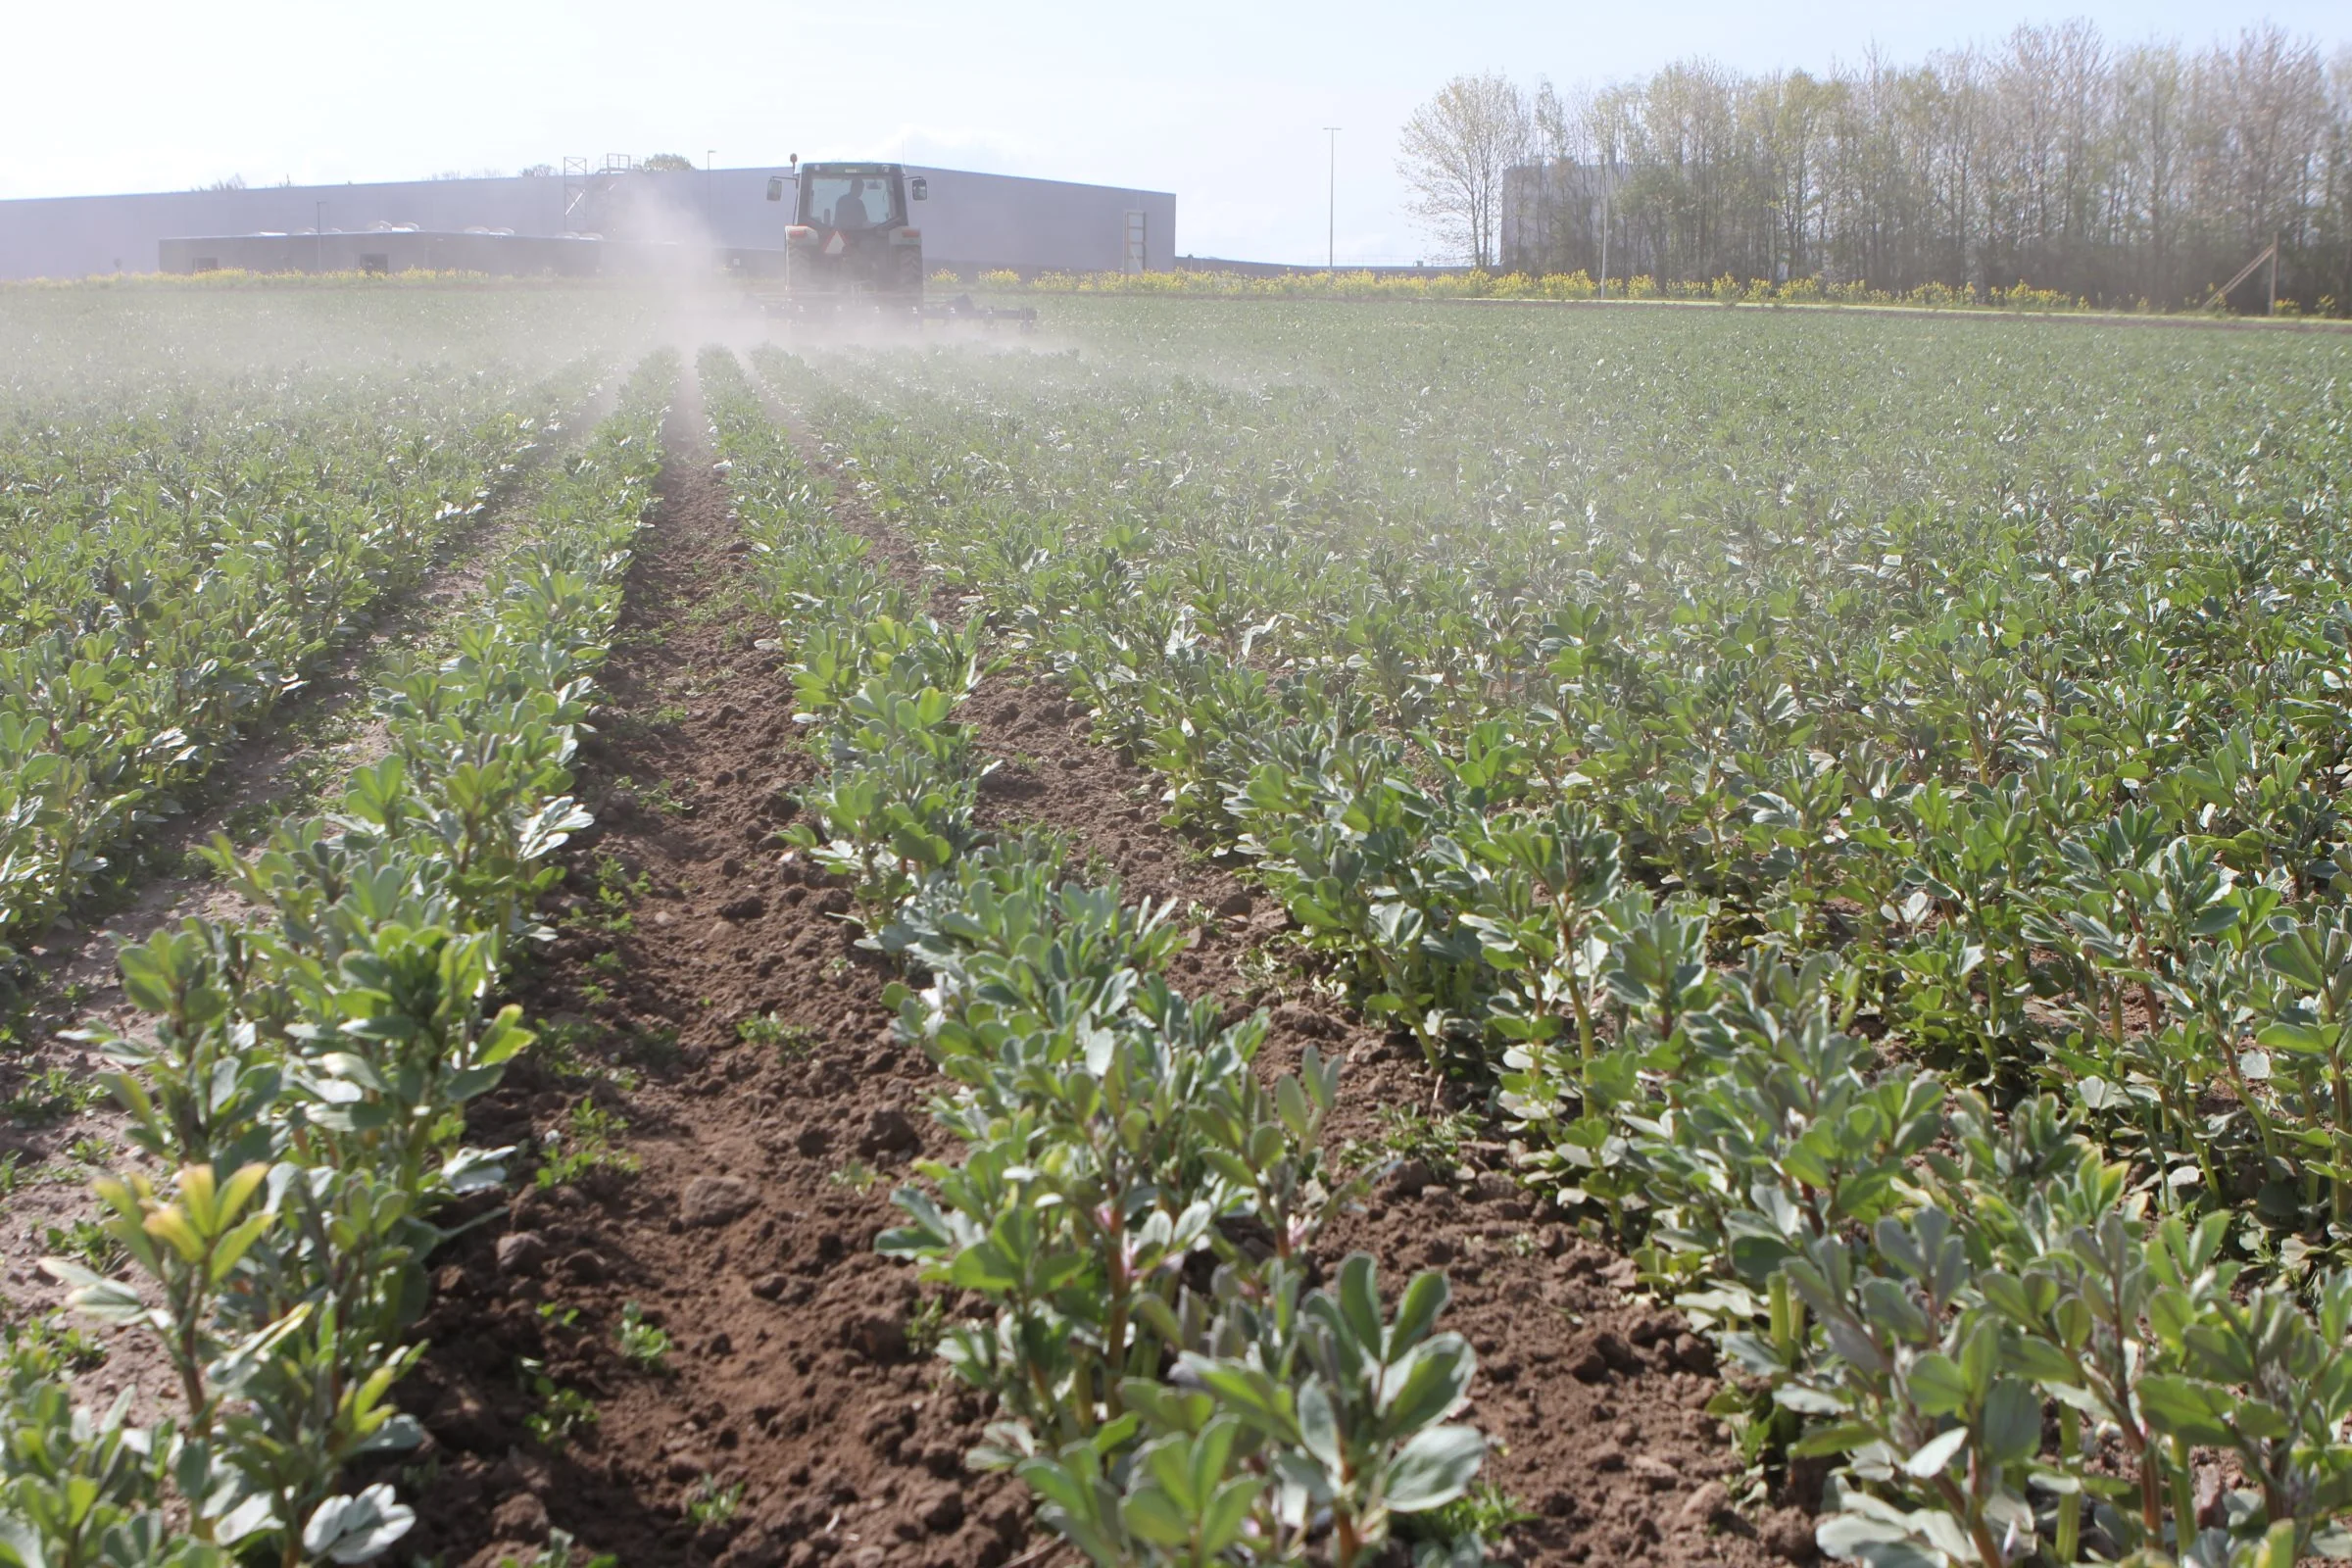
[(726, 605), (49, 1345), (558, 1049), (562, 1551), (1408, 1132), (668, 716), (858, 1176), (1260, 969), (641, 1341), (1482, 1513), (561, 1411), (926, 1325), (567, 1157), (607, 961), (711, 1504), (562, 1317), (91, 1150), (593, 994), (50, 1096), (249, 821), (1521, 1245), (615, 891), (661, 794), (770, 1032), (656, 1048), (86, 1240)]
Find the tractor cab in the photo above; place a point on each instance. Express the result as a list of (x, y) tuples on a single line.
[(851, 233)]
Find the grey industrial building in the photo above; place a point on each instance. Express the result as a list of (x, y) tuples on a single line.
[(578, 222)]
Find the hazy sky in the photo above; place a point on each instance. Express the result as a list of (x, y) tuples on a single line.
[(1220, 102)]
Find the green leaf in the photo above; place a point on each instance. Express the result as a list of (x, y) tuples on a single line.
[(1937, 1384), (1228, 1513), (2011, 1422), (1423, 1298), (1319, 1428), (1435, 1375), (1838, 1437), (1435, 1468), (2298, 1039), (2182, 1407), (1935, 1455), (1156, 1517), (1359, 1303)]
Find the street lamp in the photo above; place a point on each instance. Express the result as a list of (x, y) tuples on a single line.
[(1331, 210)]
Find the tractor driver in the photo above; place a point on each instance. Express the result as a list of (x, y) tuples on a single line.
[(850, 211)]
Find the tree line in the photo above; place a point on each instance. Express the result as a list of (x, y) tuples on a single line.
[(2121, 173)]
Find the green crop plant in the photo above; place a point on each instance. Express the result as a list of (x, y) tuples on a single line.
[(1885, 857), (178, 566), (301, 1080)]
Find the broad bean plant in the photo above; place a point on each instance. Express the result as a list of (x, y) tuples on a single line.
[(1862, 801), (301, 1081), (170, 573)]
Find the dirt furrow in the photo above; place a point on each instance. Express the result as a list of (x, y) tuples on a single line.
[(799, 1365)]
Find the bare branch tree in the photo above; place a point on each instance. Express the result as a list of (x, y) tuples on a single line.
[(1453, 154), (2123, 175)]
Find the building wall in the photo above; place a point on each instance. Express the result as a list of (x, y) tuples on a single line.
[(970, 221), (974, 222)]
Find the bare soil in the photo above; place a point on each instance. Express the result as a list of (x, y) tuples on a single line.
[(799, 1369)]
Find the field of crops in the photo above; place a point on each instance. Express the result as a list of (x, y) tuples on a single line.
[(1258, 932)]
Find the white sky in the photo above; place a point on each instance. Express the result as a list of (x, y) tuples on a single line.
[(1219, 102)]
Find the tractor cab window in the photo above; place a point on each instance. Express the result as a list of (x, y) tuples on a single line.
[(848, 201)]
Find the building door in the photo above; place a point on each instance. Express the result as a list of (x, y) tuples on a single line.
[(1132, 260)]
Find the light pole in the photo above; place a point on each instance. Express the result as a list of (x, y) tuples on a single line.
[(1331, 209), (318, 236)]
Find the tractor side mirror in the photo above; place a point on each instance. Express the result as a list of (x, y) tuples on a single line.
[(919, 189), (775, 187)]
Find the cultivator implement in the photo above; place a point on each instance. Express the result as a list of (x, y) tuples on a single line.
[(883, 311)]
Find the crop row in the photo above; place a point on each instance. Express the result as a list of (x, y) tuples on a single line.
[(1481, 284), (304, 1082), (171, 575), (1135, 1206), (1940, 983)]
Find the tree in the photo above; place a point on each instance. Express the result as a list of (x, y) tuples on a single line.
[(2053, 158), (1455, 153), (668, 163)]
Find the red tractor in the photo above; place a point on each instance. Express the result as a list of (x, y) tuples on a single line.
[(851, 243), (850, 236)]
